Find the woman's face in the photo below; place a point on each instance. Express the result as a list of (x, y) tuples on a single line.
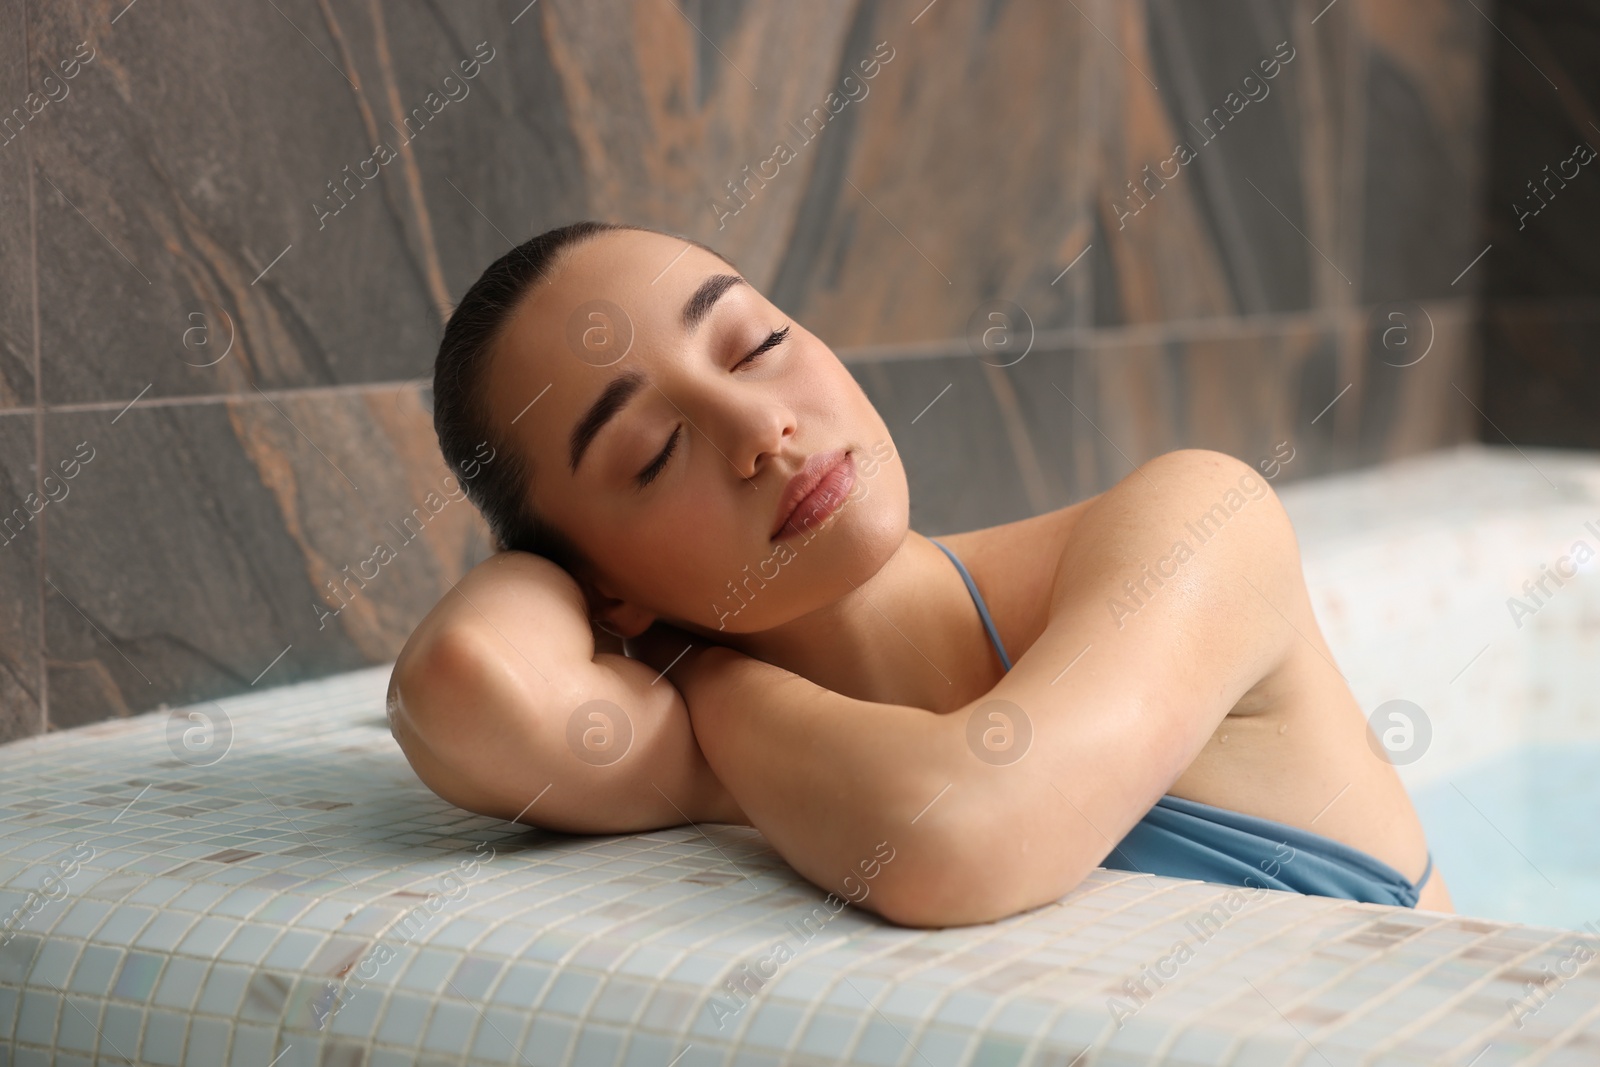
[(662, 446)]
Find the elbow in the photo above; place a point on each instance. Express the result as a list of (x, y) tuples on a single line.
[(982, 862), (965, 881)]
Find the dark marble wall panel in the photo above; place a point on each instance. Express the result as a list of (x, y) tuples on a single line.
[(950, 432), (21, 684), (1156, 260), (1295, 395), (1245, 132), (177, 186), (1424, 145), (1541, 374), (1542, 278), (19, 113), (966, 183), (192, 251), (202, 540), (1418, 380)]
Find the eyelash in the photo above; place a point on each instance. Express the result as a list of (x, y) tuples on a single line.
[(648, 475)]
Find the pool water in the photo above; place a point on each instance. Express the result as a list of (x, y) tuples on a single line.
[(1517, 835)]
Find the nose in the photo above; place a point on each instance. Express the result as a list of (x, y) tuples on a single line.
[(757, 427)]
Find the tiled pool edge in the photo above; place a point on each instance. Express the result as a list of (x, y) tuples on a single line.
[(1034, 988)]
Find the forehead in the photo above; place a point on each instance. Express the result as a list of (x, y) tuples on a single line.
[(566, 331)]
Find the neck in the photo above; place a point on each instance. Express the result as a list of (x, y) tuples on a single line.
[(908, 635)]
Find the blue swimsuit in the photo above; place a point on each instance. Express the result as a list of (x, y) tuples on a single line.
[(1187, 839)]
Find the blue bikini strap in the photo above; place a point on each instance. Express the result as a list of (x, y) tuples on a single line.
[(983, 610)]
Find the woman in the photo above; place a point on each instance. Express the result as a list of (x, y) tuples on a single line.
[(948, 731)]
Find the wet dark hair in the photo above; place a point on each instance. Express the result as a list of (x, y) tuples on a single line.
[(502, 487)]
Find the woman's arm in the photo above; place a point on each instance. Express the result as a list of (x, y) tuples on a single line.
[(1009, 802), (503, 706), (847, 790)]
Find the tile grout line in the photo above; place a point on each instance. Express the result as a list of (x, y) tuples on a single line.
[(286, 393), (1152, 333), (1098, 337), (38, 391)]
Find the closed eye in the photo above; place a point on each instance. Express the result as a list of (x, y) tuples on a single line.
[(657, 465), (648, 475), (774, 339)]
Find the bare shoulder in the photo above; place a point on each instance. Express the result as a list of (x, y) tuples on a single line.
[(1023, 568), (1177, 503)]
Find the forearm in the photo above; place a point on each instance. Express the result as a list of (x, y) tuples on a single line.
[(835, 783)]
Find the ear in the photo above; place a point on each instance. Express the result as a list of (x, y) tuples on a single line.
[(617, 617), (623, 619)]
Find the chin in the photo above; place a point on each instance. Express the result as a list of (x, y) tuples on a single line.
[(800, 574)]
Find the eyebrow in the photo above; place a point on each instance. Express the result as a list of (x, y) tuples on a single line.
[(621, 390)]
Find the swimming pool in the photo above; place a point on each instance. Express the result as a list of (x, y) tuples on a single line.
[(1515, 834), (1416, 572)]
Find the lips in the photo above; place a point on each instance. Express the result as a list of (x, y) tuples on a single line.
[(815, 492)]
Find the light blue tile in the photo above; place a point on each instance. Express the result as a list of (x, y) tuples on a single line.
[(208, 1043), (964, 1008), (254, 1043), (199, 898), (240, 902), (223, 990), (137, 977), (458, 933), (124, 924), (597, 1044), (773, 1024), (647, 961), (828, 1033), (293, 908), (404, 1014), (911, 999), (551, 945), (163, 1039), (802, 984), (79, 1017), (699, 970), (940, 1046), (428, 970), (1022, 1018), (119, 1031), (180, 982), (294, 950), (36, 1022), (158, 891), (54, 963), (548, 1040), (620, 1000), (165, 931), (523, 985), (475, 976), (95, 968), (451, 1026), (499, 1034), (357, 1015), (249, 943), (207, 936), (570, 993)]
